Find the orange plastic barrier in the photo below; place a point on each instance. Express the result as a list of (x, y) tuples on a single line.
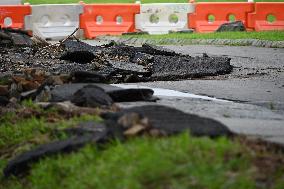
[(267, 16), (13, 16), (209, 16), (104, 19)]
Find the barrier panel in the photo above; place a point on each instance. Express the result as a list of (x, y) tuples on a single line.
[(104, 19), (267, 16), (13, 16), (54, 21), (160, 18), (209, 16), (10, 2)]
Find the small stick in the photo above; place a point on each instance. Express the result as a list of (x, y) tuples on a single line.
[(69, 35)]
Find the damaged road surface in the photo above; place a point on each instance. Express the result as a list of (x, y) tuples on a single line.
[(73, 91), (113, 62)]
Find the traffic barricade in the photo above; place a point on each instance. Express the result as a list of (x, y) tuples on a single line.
[(160, 18), (13, 16), (267, 16), (108, 19), (209, 16), (54, 21), (10, 2)]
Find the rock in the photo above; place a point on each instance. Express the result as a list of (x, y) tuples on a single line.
[(21, 163), (91, 96), (133, 123), (172, 121), (4, 90), (87, 77), (3, 101), (65, 92), (43, 94), (231, 26), (82, 57)]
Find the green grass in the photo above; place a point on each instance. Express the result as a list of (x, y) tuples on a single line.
[(271, 35), (176, 162), (143, 162), (131, 1), (16, 131)]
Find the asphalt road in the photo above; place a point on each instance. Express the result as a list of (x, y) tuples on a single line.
[(255, 90)]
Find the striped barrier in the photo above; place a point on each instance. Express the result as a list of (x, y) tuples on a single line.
[(10, 2), (55, 21), (13, 16), (161, 18), (267, 16), (209, 16), (108, 19)]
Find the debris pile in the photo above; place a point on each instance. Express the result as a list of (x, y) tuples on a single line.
[(73, 76)]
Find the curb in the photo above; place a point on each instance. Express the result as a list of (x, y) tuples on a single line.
[(230, 42)]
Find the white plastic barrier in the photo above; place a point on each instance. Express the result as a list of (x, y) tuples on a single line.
[(162, 18), (53, 21), (10, 2)]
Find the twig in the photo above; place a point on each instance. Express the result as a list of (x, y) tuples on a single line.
[(69, 35)]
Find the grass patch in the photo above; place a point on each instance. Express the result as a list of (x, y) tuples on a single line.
[(19, 133), (179, 161), (270, 35), (132, 1), (175, 162)]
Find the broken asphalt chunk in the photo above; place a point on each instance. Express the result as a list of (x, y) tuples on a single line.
[(91, 96), (87, 77), (172, 121), (82, 57), (65, 92)]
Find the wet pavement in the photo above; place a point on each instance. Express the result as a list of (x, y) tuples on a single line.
[(255, 89)]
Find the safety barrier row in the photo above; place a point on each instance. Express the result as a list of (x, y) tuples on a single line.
[(10, 2), (56, 21)]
